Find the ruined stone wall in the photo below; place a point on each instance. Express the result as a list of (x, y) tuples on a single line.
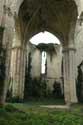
[(54, 68), (36, 60), (79, 5), (1, 10), (79, 36), (36, 63), (53, 65), (79, 45), (7, 21)]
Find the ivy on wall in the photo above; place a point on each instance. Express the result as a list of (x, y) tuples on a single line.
[(1, 35), (34, 87), (79, 83), (28, 78), (2, 65)]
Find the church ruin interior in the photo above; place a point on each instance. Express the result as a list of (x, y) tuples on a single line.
[(30, 66)]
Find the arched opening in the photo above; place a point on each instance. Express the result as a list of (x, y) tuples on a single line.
[(44, 37), (58, 17), (44, 61), (41, 39)]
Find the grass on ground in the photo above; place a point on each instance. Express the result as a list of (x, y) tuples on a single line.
[(33, 114)]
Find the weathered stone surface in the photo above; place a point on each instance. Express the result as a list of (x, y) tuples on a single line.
[(22, 21)]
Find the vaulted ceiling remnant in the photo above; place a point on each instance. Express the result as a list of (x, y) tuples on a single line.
[(55, 16)]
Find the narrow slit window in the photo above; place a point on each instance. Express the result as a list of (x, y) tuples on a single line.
[(43, 63)]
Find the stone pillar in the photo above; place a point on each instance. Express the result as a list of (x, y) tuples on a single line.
[(18, 71), (69, 75)]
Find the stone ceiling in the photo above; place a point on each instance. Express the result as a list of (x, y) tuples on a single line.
[(55, 16)]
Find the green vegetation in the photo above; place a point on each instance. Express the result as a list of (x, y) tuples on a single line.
[(28, 114), (28, 78), (2, 66), (1, 34), (79, 83), (34, 87)]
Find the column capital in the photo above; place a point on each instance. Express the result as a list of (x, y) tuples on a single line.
[(67, 49)]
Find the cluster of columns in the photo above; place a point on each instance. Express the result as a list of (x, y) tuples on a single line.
[(69, 75), (17, 71)]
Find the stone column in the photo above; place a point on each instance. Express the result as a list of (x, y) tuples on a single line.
[(18, 71), (69, 75)]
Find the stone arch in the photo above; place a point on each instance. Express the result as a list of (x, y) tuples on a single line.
[(63, 28), (73, 18), (20, 2)]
